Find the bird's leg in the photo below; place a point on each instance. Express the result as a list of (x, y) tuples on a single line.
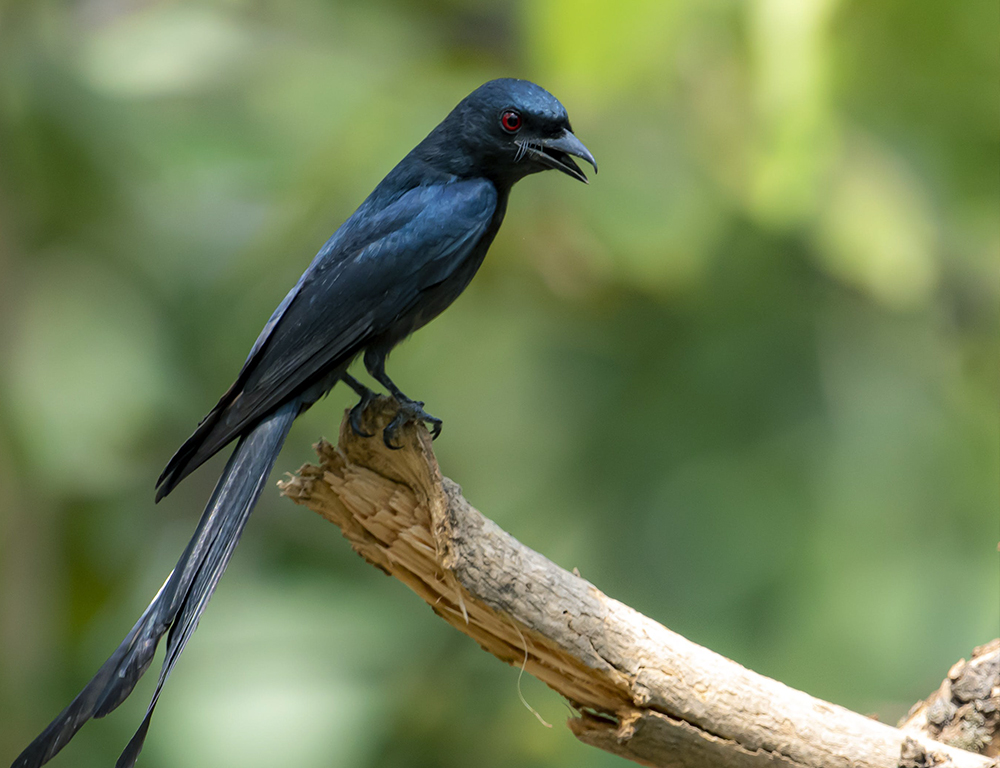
[(409, 410), (358, 411)]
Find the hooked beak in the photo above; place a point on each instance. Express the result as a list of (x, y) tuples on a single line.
[(555, 153)]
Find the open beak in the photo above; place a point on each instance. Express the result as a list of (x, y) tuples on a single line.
[(555, 153)]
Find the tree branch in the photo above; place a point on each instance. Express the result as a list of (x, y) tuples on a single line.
[(641, 691), (965, 710)]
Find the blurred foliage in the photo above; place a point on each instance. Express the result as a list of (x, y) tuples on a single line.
[(747, 380)]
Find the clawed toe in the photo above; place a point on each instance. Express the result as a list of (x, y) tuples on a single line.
[(410, 411), (357, 416)]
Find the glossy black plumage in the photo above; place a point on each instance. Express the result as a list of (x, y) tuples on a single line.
[(391, 267), (408, 251)]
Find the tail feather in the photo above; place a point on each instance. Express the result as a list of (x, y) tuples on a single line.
[(180, 601), (194, 452)]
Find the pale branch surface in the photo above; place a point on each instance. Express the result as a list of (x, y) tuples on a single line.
[(641, 691)]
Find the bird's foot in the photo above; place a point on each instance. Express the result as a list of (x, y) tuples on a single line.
[(357, 416), (410, 411)]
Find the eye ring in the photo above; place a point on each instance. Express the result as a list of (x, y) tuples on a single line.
[(510, 120)]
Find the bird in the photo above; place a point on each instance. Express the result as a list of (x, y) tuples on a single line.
[(396, 263)]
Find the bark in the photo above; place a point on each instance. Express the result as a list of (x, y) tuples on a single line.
[(641, 691), (965, 711)]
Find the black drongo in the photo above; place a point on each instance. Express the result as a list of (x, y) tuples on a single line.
[(395, 264)]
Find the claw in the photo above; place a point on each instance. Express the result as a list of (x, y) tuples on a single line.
[(410, 411), (390, 431), (358, 414)]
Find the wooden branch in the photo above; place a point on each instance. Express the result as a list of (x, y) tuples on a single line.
[(965, 710), (641, 691)]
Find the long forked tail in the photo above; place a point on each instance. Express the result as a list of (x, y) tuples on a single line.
[(180, 601)]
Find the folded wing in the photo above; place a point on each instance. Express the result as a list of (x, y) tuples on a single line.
[(370, 272)]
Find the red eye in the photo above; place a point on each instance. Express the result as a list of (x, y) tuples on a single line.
[(511, 121)]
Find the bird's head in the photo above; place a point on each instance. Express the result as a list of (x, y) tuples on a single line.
[(507, 129)]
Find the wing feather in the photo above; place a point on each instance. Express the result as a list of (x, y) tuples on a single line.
[(369, 273)]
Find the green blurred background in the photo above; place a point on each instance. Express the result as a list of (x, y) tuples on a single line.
[(747, 381)]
